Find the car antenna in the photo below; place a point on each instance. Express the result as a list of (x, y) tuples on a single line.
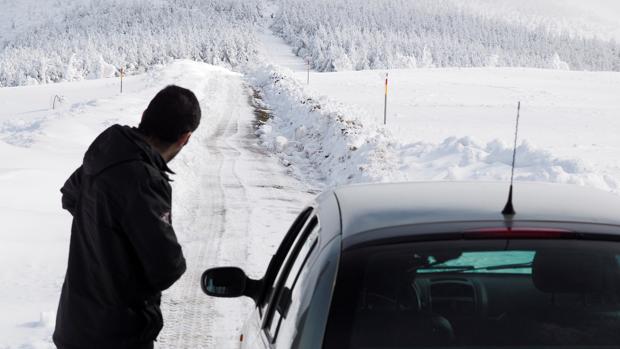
[(509, 209)]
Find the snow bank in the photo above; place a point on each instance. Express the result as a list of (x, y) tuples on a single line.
[(466, 159), (323, 144), (329, 146)]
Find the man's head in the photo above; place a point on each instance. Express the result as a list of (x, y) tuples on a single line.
[(170, 119)]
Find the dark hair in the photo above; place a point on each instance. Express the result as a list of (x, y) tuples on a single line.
[(172, 112)]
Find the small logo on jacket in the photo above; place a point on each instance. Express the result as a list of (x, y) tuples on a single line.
[(166, 218)]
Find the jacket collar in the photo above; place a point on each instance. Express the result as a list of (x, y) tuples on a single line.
[(149, 152)]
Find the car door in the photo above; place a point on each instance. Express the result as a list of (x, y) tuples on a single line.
[(251, 333), (278, 324)]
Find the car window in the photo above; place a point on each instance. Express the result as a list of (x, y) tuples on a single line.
[(279, 257), (289, 300), (482, 294), (287, 277)]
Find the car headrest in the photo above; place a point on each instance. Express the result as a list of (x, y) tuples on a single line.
[(572, 271)]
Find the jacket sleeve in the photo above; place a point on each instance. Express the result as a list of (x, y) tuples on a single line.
[(70, 191), (147, 223)]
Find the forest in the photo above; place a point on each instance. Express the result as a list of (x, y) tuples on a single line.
[(365, 34)]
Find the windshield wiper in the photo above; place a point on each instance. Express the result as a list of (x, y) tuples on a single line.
[(501, 267), (450, 268), (470, 268)]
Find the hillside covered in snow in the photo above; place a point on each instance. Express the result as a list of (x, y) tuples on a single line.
[(593, 18), (64, 40), (357, 35), (87, 39)]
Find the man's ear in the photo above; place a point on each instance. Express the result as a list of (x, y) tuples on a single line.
[(184, 138)]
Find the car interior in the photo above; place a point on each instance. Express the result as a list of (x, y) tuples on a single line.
[(545, 295)]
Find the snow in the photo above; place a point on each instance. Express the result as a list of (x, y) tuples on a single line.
[(224, 183), (443, 124), (68, 40), (41, 147), (236, 194), (65, 40), (595, 18), (362, 34)]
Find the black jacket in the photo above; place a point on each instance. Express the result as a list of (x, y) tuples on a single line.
[(123, 249)]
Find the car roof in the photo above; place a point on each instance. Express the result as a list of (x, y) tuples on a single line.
[(369, 207)]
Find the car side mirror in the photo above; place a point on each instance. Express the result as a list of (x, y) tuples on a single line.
[(229, 282)]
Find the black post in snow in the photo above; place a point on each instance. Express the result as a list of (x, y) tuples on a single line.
[(122, 76), (385, 102)]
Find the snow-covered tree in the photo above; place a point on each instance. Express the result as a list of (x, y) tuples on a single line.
[(557, 63), (427, 58)]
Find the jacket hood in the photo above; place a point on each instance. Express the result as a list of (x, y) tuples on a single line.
[(119, 144)]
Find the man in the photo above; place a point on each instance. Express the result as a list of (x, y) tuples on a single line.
[(123, 250)]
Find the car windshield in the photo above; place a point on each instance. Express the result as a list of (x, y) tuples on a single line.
[(479, 294)]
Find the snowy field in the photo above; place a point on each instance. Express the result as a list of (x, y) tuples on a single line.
[(446, 124), (570, 115)]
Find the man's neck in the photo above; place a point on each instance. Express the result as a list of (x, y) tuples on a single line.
[(166, 152)]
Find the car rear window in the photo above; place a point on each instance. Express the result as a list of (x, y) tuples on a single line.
[(478, 294)]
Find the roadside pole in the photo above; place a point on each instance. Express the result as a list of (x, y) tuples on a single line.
[(385, 103), (56, 98), (308, 68), (122, 76)]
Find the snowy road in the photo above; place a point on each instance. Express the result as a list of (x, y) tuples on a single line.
[(239, 196), (232, 202)]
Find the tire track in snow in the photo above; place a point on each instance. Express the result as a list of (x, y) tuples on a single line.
[(240, 205), (187, 314)]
